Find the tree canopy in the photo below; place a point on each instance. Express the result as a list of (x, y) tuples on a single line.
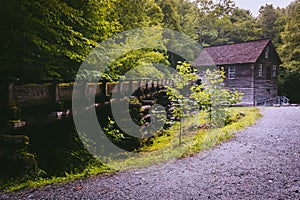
[(50, 39), (290, 52)]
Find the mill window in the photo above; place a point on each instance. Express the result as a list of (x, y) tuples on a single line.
[(267, 52), (231, 72), (260, 70)]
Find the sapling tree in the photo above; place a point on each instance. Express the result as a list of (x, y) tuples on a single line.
[(179, 93), (211, 95), (214, 97)]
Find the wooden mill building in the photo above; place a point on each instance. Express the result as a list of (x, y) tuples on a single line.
[(250, 68)]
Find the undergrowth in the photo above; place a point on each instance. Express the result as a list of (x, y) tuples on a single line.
[(196, 136)]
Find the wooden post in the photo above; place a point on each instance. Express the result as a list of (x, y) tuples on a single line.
[(157, 85), (147, 88), (10, 95), (119, 90), (103, 95), (84, 91), (180, 130), (152, 88), (55, 94), (130, 87), (119, 86)]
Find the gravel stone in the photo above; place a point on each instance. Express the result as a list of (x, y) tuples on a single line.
[(261, 162)]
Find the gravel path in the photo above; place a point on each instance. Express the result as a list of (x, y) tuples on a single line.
[(261, 162)]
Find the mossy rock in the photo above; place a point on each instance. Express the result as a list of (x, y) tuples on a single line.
[(10, 144), (18, 165), (14, 158)]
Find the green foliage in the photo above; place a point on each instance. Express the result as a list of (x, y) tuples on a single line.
[(171, 17), (179, 93), (213, 91), (134, 63), (50, 39), (267, 18), (244, 26), (214, 97), (290, 53), (43, 38), (207, 139), (113, 132), (291, 37), (162, 148), (101, 18), (220, 23), (211, 95)]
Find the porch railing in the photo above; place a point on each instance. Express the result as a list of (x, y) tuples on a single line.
[(279, 100)]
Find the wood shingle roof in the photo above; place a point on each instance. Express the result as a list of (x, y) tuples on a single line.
[(246, 52)]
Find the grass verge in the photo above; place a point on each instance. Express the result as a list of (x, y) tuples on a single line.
[(159, 149), (165, 146)]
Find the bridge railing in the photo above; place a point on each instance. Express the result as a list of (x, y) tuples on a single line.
[(18, 95), (57, 96)]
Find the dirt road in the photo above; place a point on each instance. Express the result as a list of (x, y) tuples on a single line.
[(261, 162)]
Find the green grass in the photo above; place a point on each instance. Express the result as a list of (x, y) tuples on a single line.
[(161, 149), (13, 184), (166, 147), (207, 139)]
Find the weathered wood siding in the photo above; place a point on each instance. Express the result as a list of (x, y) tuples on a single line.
[(248, 81), (266, 86), (243, 82)]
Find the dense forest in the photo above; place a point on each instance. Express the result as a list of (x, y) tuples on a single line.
[(49, 39)]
